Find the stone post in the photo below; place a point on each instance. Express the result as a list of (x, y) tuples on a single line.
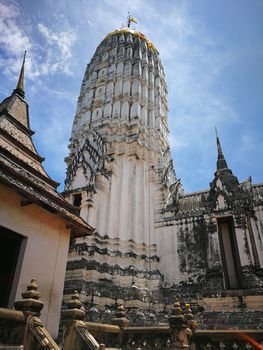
[(179, 330), (30, 304), (191, 323), (120, 320), (75, 310), (35, 336), (75, 331)]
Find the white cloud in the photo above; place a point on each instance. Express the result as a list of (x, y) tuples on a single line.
[(54, 57), (59, 44), (193, 62), (12, 37)]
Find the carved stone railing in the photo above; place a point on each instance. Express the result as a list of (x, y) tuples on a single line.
[(78, 334), (229, 339), (22, 327), (78, 337), (37, 336), (162, 337), (104, 334), (12, 325)]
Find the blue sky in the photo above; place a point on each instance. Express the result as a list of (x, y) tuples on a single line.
[(212, 53)]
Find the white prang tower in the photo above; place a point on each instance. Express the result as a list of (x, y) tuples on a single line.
[(120, 170)]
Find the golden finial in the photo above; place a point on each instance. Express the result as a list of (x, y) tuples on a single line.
[(130, 19)]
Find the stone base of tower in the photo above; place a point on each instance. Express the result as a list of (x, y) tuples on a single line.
[(230, 312), (107, 272)]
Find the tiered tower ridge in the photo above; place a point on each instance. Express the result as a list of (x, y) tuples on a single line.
[(119, 167)]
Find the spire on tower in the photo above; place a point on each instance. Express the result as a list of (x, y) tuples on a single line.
[(130, 20), (221, 162), (20, 84)]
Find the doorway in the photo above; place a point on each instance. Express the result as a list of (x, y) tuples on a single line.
[(229, 253), (11, 252)]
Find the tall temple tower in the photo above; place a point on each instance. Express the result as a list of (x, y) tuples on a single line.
[(119, 167), (152, 243)]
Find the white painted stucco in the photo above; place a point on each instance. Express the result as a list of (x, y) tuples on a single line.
[(45, 257)]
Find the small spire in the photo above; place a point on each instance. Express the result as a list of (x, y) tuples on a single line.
[(128, 20), (20, 84), (219, 148), (221, 162)]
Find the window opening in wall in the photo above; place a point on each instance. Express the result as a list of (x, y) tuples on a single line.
[(77, 199), (229, 253), (11, 255)]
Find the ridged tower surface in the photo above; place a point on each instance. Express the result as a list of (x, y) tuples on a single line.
[(119, 167)]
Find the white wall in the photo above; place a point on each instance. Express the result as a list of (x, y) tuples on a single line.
[(45, 254), (167, 250)]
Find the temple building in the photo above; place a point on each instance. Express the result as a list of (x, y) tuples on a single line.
[(152, 243), (36, 222), (134, 237)]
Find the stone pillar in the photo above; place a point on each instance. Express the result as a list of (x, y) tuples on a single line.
[(179, 331), (36, 336), (120, 320), (190, 322), (30, 304), (75, 331), (75, 310)]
